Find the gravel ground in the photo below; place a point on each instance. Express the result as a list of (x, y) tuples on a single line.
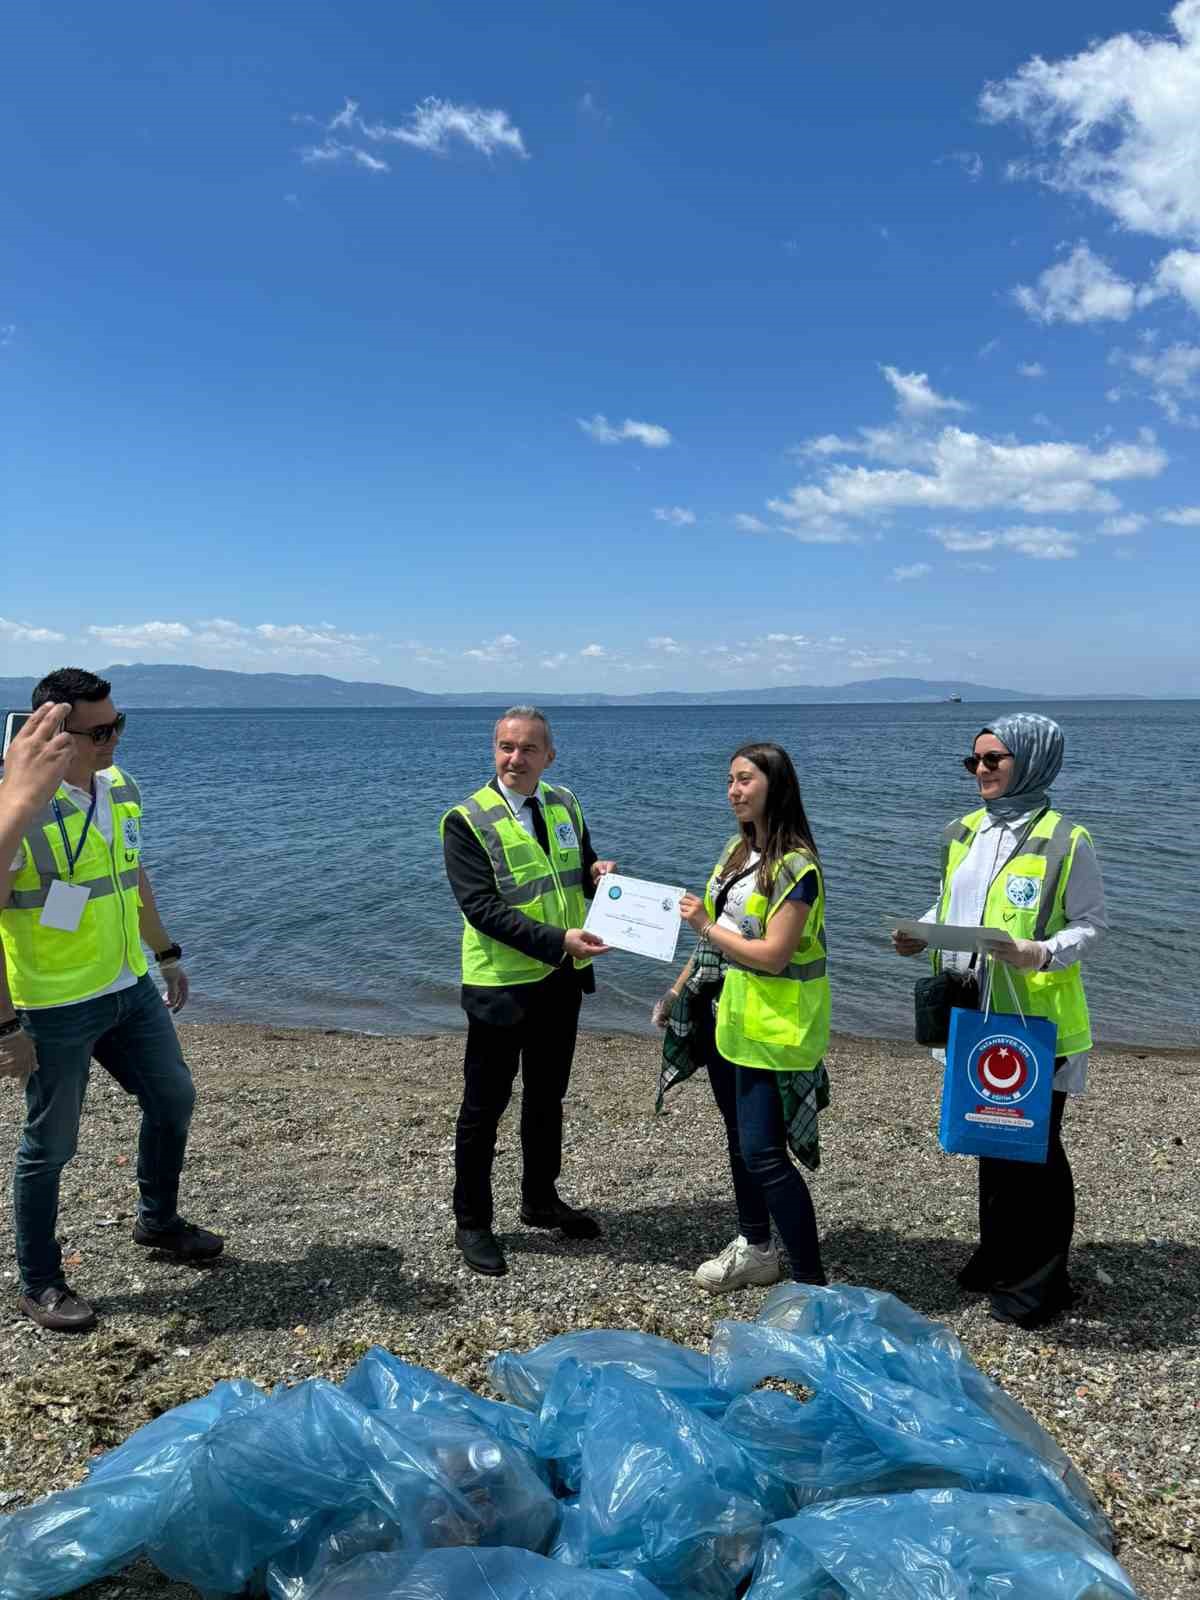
[(326, 1159)]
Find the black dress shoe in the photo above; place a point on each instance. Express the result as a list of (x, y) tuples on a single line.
[(558, 1214), (59, 1310), (182, 1239), (481, 1251)]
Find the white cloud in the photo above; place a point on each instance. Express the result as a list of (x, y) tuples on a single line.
[(914, 395), (918, 569), (678, 516), (498, 649), (433, 126), (142, 635), (1041, 544), (1183, 517), (595, 652), (1179, 273), (1120, 527), (1031, 369), (1173, 376), (28, 633), (1083, 288), (967, 472), (602, 431), (665, 643), (977, 566), (554, 662), (1118, 124), (749, 524)]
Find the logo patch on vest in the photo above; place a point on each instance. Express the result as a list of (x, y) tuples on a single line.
[(1023, 892), (131, 828), (565, 834), (749, 927)]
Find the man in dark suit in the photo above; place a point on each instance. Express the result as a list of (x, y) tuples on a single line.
[(522, 868)]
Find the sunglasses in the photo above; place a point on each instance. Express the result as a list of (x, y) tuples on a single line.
[(103, 731), (991, 760)]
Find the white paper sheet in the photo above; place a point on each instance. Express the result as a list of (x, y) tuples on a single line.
[(633, 914), (951, 936)]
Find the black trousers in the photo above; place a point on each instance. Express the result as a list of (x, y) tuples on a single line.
[(1026, 1222), (541, 1046)]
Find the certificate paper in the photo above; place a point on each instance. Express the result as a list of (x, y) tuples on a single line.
[(631, 914), (949, 936)]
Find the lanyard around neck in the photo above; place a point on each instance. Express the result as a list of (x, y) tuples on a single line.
[(72, 859)]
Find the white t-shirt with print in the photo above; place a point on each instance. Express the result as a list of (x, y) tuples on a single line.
[(103, 824)]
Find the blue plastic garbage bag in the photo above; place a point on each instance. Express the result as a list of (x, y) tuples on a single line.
[(326, 1545), (557, 1381), (313, 1458), (477, 1575), (524, 1378), (382, 1382), (919, 1400), (91, 1531), (818, 1449), (667, 1493), (568, 1546), (943, 1544)]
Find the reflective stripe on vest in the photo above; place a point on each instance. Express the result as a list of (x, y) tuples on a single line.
[(776, 1022), (545, 888), (47, 966), (1027, 898)]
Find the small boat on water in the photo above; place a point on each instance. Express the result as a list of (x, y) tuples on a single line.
[(953, 700)]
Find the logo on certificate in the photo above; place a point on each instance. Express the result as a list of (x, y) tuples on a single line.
[(565, 834), (1023, 892), (614, 893)]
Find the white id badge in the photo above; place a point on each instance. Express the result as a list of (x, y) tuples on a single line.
[(64, 906)]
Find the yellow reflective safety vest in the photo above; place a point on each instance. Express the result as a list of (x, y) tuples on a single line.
[(779, 1023), (546, 888), (1027, 898), (47, 967)]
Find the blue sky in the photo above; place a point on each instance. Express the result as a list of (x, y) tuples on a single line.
[(613, 348)]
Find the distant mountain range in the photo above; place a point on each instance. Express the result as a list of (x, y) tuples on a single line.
[(168, 687)]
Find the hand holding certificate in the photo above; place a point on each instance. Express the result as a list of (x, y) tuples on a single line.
[(632, 914)]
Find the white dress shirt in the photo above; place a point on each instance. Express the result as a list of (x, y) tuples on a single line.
[(521, 809), (990, 850)]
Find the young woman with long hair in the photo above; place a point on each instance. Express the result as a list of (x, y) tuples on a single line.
[(757, 1012)]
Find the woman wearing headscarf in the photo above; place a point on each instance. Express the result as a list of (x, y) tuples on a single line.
[(1017, 864)]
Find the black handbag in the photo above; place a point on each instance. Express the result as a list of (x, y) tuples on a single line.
[(936, 996)]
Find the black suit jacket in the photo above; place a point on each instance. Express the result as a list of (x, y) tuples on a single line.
[(473, 883)]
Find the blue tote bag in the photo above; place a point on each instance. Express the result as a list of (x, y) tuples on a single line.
[(999, 1080)]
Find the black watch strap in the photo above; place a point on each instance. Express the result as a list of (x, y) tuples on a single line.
[(7, 1029), (171, 953)]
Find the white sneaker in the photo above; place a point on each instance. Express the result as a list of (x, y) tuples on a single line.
[(739, 1265)]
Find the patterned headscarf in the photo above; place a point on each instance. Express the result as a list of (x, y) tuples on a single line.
[(1037, 749)]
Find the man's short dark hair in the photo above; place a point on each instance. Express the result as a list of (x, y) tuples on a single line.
[(68, 685)]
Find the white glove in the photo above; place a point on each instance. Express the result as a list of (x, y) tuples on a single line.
[(661, 1011), (178, 988), (1027, 954)]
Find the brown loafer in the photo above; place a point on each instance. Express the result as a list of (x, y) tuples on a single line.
[(59, 1310)]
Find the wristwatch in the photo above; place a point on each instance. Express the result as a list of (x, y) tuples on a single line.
[(7, 1029), (171, 953)]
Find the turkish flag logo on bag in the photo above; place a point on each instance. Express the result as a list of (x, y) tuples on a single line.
[(1002, 1069)]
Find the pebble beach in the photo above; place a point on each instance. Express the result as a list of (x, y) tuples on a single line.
[(326, 1159)]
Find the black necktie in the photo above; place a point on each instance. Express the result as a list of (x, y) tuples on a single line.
[(539, 822)]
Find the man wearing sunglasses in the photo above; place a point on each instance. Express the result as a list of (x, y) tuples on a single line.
[(76, 907)]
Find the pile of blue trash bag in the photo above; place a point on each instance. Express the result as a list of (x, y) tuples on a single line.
[(618, 1466)]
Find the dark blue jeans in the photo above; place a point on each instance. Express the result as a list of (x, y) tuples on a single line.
[(133, 1038), (767, 1186)]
